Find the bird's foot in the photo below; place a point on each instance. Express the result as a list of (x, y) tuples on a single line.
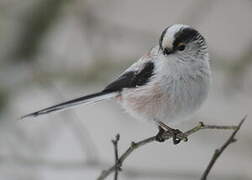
[(177, 135)]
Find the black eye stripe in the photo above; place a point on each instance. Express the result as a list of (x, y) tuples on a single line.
[(186, 35)]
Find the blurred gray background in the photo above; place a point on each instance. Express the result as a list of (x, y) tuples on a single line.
[(55, 50)]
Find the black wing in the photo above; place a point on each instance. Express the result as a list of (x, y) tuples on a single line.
[(132, 79)]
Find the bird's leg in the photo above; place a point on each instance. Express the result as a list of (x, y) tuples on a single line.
[(177, 135)]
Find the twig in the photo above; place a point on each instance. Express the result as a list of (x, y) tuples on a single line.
[(219, 151), (167, 135), (118, 168)]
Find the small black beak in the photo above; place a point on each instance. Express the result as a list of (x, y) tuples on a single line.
[(167, 51)]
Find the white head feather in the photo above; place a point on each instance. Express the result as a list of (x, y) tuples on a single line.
[(169, 35)]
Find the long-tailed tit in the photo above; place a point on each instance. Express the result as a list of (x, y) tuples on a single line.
[(167, 84)]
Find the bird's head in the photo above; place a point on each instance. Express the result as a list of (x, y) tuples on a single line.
[(182, 41)]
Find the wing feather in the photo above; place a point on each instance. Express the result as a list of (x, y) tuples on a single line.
[(131, 78)]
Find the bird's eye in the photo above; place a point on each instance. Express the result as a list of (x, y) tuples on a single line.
[(181, 47)]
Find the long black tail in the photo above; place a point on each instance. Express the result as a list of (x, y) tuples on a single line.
[(68, 104)]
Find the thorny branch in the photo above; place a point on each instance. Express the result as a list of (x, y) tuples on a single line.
[(118, 168), (167, 135), (219, 151)]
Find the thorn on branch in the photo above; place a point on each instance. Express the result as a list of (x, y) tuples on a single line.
[(133, 144), (201, 124)]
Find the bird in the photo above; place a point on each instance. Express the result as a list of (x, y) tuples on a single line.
[(167, 84)]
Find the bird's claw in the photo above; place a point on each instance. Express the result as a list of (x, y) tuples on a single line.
[(177, 136), (159, 137)]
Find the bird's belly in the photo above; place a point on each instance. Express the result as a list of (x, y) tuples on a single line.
[(167, 104), (145, 103)]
